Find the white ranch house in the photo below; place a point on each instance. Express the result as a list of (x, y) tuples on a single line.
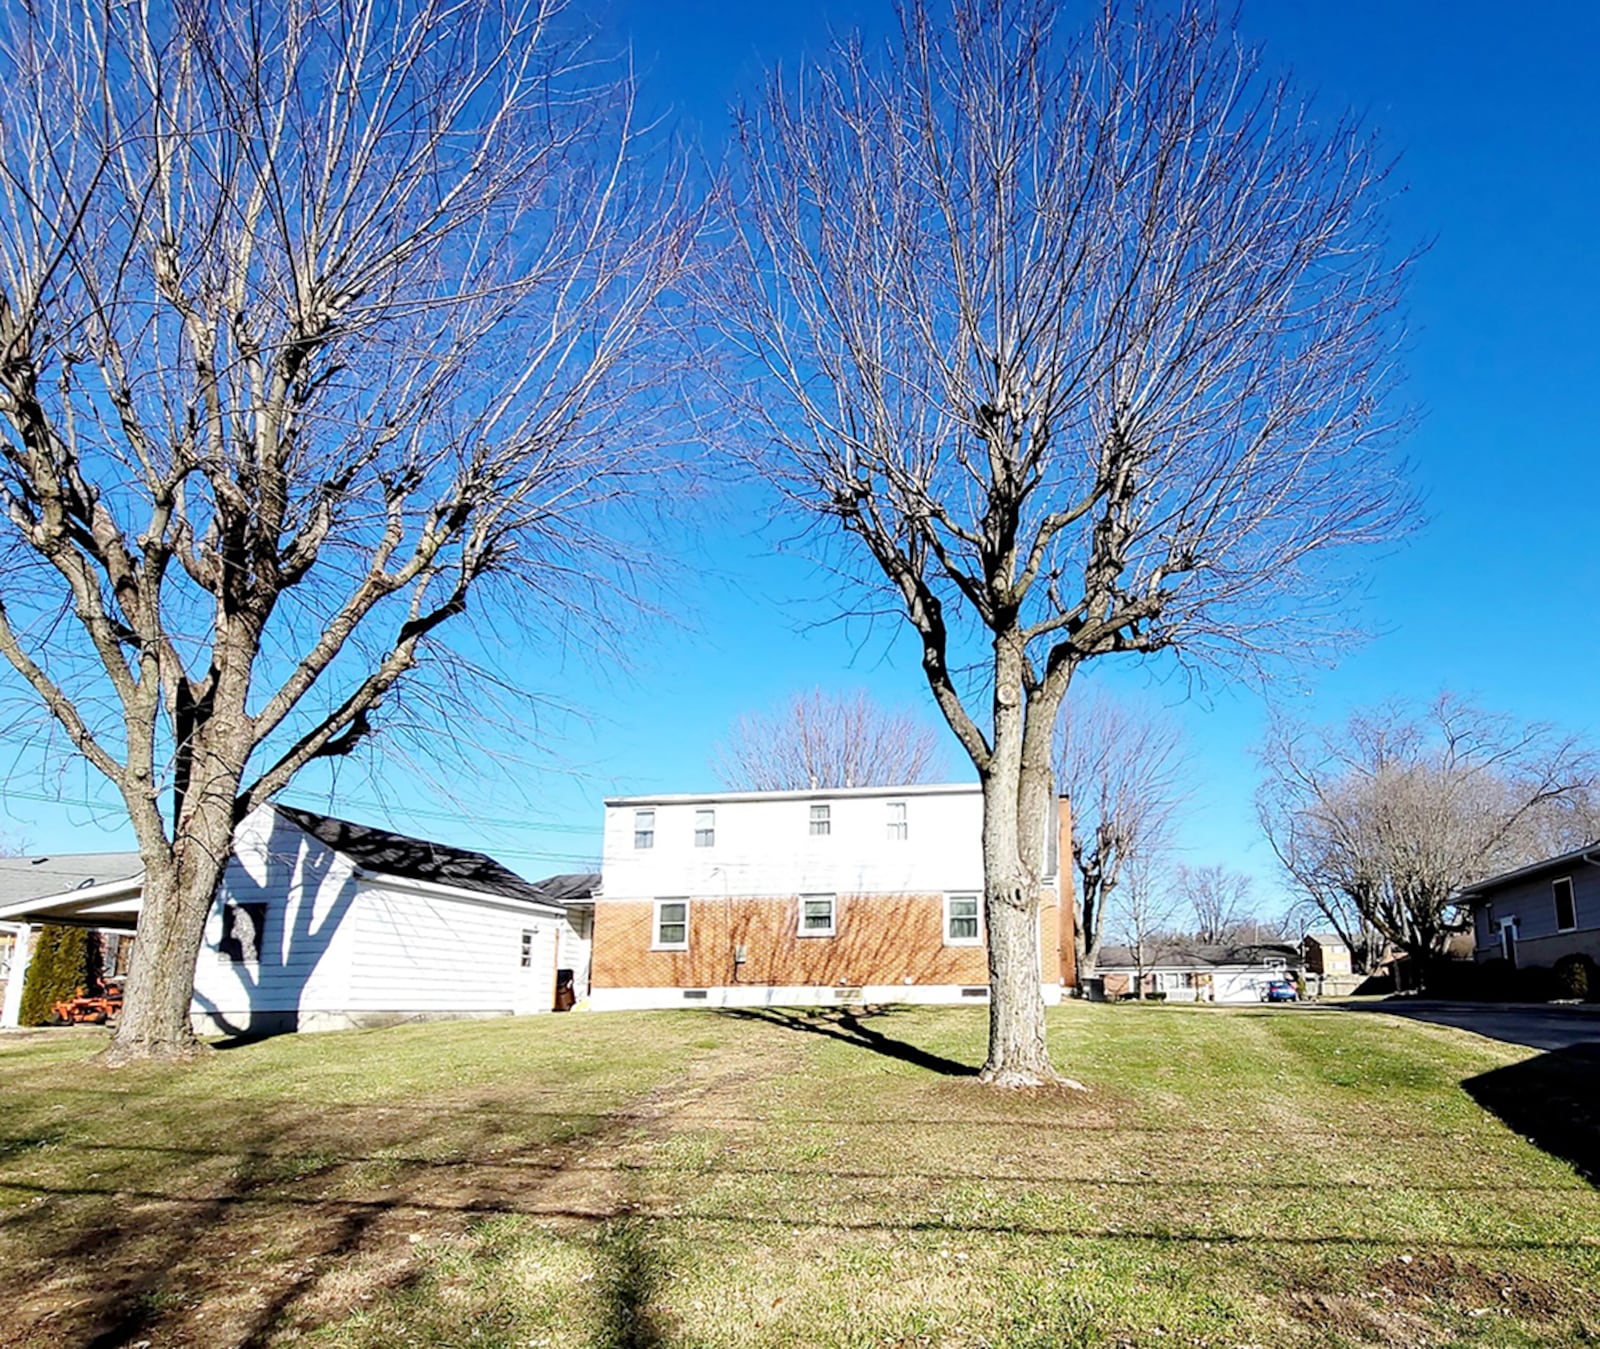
[(323, 924)]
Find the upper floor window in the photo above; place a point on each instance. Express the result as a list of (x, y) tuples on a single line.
[(644, 829), (705, 828), (821, 821), (961, 921), (817, 915), (671, 925), (1566, 906), (897, 821)]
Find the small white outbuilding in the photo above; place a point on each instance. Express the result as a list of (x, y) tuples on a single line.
[(323, 924)]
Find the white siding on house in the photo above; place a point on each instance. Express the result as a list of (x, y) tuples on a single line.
[(575, 946), (764, 845), (430, 953), (306, 948)]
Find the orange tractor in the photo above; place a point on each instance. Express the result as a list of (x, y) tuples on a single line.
[(84, 1010)]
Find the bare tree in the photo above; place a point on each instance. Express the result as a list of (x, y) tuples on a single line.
[(1122, 768), (1072, 346), (1384, 820), (820, 739), (318, 321), (1217, 899), (1145, 907)]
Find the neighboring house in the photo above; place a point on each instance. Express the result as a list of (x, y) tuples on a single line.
[(28, 878), (1325, 953), (1198, 973), (796, 898), (321, 924), (1539, 913)]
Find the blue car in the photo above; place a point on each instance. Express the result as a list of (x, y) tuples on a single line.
[(1280, 990)]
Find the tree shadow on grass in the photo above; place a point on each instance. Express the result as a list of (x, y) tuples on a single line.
[(841, 1023), (1552, 1100)]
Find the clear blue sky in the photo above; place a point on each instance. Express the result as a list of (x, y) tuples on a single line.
[(1493, 110)]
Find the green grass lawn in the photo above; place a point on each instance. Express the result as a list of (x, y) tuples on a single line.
[(1234, 1178)]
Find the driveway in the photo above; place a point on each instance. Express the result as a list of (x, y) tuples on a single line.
[(1538, 1027)]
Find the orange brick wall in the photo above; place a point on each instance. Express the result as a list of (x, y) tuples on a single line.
[(879, 939), (1067, 944)]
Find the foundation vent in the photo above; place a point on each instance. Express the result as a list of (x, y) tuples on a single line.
[(847, 995), (694, 995), (980, 992)]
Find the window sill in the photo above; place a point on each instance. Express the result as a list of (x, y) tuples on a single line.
[(806, 935)]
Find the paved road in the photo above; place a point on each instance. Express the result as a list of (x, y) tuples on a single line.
[(1540, 1028)]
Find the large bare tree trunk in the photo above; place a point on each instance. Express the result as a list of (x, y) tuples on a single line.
[(1017, 1054)]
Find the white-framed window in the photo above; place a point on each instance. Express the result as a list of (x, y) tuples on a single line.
[(897, 821), (705, 828), (671, 929), (963, 920), (644, 829), (821, 820), (527, 949), (818, 915), (1566, 905), (8, 943)]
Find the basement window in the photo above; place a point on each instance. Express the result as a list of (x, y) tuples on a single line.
[(1566, 906)]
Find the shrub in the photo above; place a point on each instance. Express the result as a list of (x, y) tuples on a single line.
[(1576, 977), (64, 960)]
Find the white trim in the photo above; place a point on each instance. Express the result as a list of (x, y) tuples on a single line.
[(22, 910), (963, 941), (832, 930), (656, 944)]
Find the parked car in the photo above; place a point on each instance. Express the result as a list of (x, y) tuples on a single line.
[(1280, 990)]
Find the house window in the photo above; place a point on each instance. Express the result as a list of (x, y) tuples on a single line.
[(672, 925), (527, 950), (8, 941), (961, 922), (897, 821), (705, 828), (821, 821), (644, 829), (817, 915), (1566, 907), (118, 956), (243, 927)]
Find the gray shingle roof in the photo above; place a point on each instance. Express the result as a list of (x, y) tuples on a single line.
[(23, 878), (391, 854), (570, 887)]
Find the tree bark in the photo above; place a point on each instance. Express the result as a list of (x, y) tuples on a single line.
[(1017, 1053)]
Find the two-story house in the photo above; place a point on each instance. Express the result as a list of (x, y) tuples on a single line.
[(1537, 914), (868, 894)]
